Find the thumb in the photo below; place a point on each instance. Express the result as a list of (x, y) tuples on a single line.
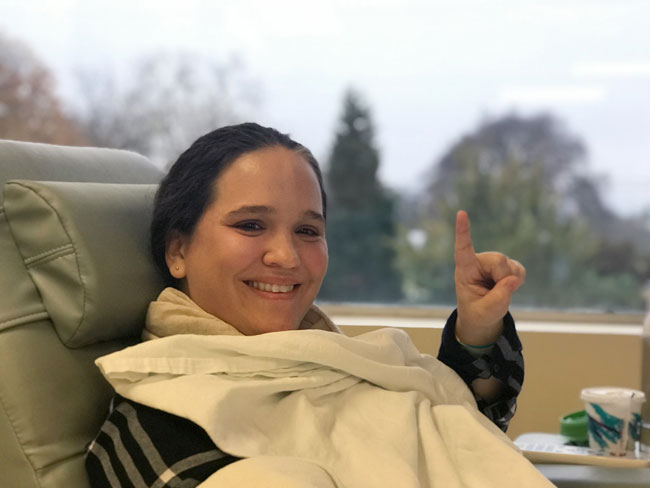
[(511, 282), (498, 298)]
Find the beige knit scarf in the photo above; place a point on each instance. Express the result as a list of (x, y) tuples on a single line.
[(175, 313)]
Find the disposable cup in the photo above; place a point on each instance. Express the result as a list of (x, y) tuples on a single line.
[(614, 418)]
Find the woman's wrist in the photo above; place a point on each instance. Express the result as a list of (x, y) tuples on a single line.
[(478, 337), (476, 351)]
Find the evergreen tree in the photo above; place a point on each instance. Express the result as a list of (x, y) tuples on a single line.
[(360, 226)]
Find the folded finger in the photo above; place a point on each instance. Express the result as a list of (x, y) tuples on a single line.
[(497, 266), (517, 269)]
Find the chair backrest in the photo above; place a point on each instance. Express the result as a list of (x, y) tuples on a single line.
[(75, 281)]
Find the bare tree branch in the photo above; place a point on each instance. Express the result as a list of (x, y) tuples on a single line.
[(163, 103)]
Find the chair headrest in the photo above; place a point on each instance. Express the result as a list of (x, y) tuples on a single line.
[(86, 247), (46, 162)]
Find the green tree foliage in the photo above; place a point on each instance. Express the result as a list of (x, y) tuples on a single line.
[(360, 221), (523, 182)]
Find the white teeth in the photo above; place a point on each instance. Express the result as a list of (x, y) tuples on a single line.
[(269, 287)]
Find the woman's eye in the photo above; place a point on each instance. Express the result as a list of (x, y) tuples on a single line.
[(309, 231), (249, 226)]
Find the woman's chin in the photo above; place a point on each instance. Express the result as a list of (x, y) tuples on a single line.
[(267, 326)]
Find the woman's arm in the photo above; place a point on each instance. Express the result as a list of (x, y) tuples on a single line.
[(480, 341), (501, 367)]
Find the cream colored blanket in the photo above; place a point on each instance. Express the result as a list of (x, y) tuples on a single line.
[(311, 408), (175, 313)]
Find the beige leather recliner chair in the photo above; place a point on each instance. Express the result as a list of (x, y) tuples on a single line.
[(75, 282)]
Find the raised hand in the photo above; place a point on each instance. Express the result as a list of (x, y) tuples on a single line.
[(485, 283)]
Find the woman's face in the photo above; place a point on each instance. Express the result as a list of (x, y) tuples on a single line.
[(258, 254)]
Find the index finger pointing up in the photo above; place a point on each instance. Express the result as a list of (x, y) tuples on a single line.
[(464, 249)]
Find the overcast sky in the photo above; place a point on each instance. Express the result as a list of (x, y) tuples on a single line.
[(430, 70)]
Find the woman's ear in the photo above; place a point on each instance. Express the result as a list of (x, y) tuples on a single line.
[(175, 254)]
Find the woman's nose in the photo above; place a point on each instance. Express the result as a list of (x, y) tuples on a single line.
[(282, 252)]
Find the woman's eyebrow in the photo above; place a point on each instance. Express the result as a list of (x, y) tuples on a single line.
[(314, 215), (264, 209), (251, 209)]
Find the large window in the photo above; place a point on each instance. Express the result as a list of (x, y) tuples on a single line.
[(534, 116)]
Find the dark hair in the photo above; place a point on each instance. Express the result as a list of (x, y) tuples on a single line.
[(189, 187)]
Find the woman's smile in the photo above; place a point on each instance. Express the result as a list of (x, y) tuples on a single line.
[(272, 288)]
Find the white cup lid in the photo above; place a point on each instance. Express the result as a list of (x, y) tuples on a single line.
[(611, 394)]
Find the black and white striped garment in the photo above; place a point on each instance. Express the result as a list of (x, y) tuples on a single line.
[(504, 362), (140, 447)]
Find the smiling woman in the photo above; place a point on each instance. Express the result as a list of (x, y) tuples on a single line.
[(239, 232)]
